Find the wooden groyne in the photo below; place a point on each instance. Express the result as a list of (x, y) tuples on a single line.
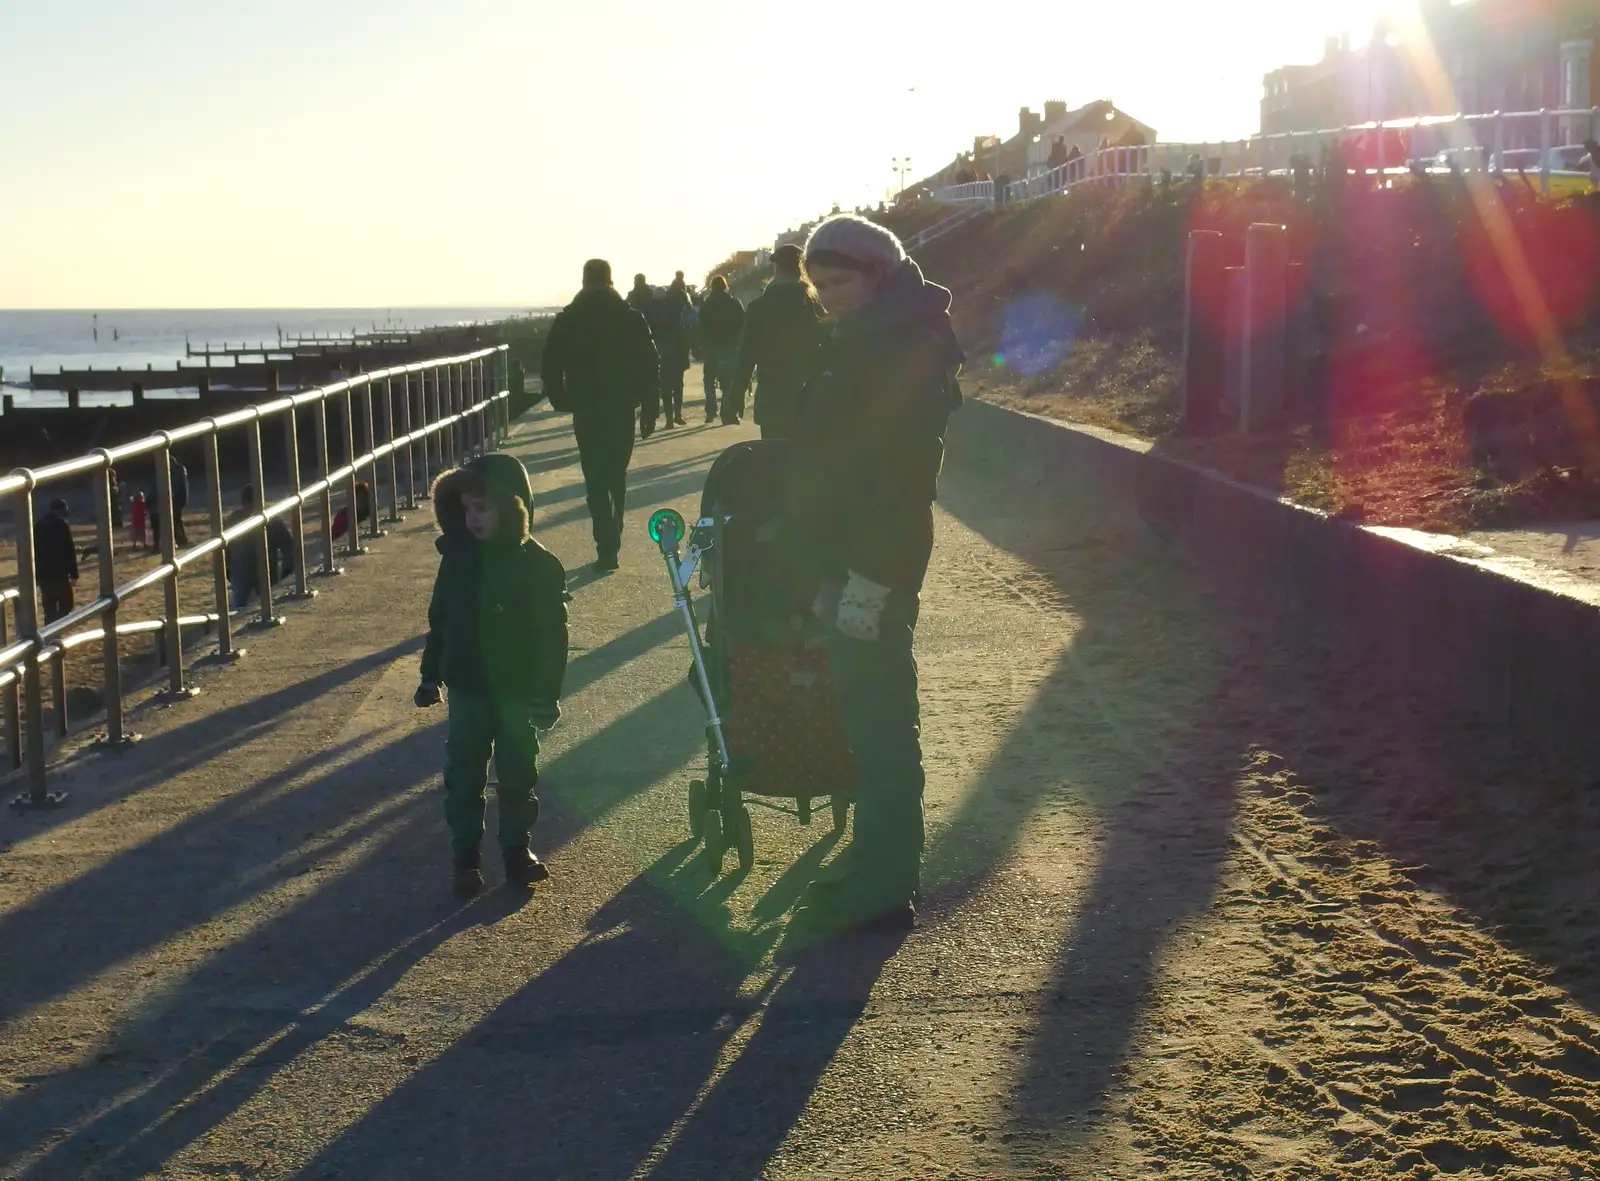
[(223, 378)]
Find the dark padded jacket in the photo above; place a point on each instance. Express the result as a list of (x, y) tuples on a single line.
[(870, 438), (783, 332), (497, 623), (722, 322), (600, 363), (55, 554)]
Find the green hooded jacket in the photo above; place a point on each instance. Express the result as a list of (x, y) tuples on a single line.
[(497, 622)]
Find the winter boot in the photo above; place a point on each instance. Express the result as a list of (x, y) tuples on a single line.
[(523, 869), (469, 873)]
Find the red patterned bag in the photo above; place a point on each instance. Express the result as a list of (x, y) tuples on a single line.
[(783, 733)]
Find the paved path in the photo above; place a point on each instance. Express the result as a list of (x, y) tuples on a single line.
[(1201, 904)]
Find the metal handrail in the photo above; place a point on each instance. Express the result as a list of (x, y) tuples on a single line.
[(1262, 155), (447, 411)]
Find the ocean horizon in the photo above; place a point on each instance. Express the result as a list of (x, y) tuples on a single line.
[(136, 338)]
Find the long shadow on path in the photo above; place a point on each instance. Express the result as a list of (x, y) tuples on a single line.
[(368, 924), (1128, 731)]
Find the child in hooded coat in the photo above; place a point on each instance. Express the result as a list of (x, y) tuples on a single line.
[(497, 637)]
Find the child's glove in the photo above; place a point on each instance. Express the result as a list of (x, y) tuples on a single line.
[(427, 694), (544, 713), (861, 608)]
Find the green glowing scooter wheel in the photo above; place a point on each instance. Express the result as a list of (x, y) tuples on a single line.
[(667, 527)]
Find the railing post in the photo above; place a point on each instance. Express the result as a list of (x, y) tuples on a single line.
[(169, 555), (10, 700), (28, 629), (263, 548), (110, 656), (1545, 145), (1499, 142), (454, 387), (58, 686), (393, 460), (425, 419), (411, 446), (219, 560), (502, 382), (328, 567), (480, 381), (297, 517), (352, 510), (373, 483)]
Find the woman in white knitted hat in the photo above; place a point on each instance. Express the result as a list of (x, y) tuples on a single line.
[(869, 444)]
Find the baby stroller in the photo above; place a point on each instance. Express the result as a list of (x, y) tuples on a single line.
[(759, 666)]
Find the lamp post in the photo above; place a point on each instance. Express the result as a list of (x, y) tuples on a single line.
[(902, 165)]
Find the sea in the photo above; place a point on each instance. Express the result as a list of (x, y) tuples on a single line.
[(49, 340)]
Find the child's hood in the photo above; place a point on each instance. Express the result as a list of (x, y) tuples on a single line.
[(503, 474)]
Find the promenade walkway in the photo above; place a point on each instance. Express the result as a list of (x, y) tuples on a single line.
[(1197, 907)]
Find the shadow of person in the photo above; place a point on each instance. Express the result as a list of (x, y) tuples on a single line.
[(1137, 731), (584, 1070), (752, 1108)]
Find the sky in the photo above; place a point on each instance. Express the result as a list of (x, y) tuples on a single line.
[(373, 153)]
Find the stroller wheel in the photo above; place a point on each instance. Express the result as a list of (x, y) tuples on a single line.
[(841, 813), (803, 806), (698, 799), (712, 833), (743, 838)]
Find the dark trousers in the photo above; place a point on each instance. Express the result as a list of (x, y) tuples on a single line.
[(604, 451), (875, 694), (180, 535), (480, 728), (55, 595), (671, 390), (718, 369)]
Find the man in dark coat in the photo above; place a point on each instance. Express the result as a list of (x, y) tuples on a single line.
[(601, 366), (55, 561), (783, 331), (721, 325), (666, 316)]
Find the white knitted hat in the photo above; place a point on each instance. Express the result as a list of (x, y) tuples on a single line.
[(858, 239)]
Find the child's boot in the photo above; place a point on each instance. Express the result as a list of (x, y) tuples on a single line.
[(469, 872), (523, 869)]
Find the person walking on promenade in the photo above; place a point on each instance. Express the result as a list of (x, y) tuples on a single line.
[(869, 445), (497, 639), (601, 366), (55, 561), (783, 332), (721, 325), (141, 521), (646, 300), (667, 324)]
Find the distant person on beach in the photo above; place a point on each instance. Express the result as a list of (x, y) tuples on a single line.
[(141, 521), (867, 451), (341, 519), (721, 325), (180, 501), (116, 498), (244, 555), (497, 638), (601, 366), (55, 561), (783, 332)]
